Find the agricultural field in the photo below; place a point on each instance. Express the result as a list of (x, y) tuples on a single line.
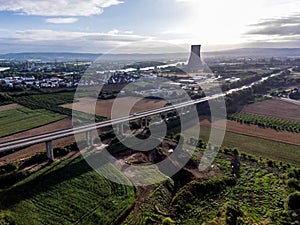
[(50, 98), (32, 150), (255, 131), (9, 106), (277, 124), (274, 108), (103, 107), (275, 150), (21, 119), (66, 192)]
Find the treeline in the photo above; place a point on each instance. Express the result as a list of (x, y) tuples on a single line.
[(5, 99), (277, 124)]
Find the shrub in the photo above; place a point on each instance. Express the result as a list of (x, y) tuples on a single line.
[(7, 168), (167, 221), (293, 183), (293, 201), (38, 158)]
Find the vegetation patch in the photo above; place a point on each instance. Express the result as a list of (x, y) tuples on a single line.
[(21, 119), (65, 192), (277, 124)]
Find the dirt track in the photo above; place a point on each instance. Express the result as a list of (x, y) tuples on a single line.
[(8, 107)]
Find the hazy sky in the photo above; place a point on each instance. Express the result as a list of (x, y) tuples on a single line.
[(100, 25)]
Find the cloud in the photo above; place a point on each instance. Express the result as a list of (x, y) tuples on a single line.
[(284, 26), (114, 31), (186, 1), (57, 8), (56, 41), (276, 32), (60, 20)]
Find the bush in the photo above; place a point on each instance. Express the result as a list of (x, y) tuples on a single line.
[(7, 168), (61, 151), (38, 158), (293, 201), (167, 221), (293, 183)]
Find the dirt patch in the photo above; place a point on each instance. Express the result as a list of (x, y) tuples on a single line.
[(275, 108), (8, 107), (104, 107), (255, 131)]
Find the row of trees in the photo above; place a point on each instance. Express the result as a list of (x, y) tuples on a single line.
[(266, 122)]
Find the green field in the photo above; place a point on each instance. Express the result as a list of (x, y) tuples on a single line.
[(21, 119), (258, 146), (66, 192)]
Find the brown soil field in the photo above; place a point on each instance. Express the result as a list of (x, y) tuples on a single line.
[(104, 107), (255, 131), (10, 106), (27, 152), (275, 108)]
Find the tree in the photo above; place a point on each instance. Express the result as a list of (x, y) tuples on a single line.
[(293, 201)]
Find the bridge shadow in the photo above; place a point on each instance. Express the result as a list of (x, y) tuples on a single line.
[(44, 181)]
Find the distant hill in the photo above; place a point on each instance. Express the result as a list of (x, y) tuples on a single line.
[(67, 57), (72, 57), (255, 52)]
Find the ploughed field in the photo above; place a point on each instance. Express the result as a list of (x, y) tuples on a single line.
[(104, 107), (274, 108)]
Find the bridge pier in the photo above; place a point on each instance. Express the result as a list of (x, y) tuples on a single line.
[(49, 149), (141, 123), (144, 122), (120, 129), (89, 138), (147, 122)]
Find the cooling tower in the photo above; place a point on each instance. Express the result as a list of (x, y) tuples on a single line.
[(195, 62)]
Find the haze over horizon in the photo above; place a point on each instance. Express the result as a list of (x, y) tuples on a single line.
[(97, 26)]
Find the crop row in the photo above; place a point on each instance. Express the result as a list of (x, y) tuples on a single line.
[(266, 122)]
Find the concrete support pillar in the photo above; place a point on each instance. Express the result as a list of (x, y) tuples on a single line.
[(164, 116), (49, 149), (147, 122), (89, 138), (141, 122), (121, 129), (182, 110)]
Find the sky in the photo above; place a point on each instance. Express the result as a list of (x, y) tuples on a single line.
[(98, 26)]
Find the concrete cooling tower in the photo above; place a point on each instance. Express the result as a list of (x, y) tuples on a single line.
[(195, 63)]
